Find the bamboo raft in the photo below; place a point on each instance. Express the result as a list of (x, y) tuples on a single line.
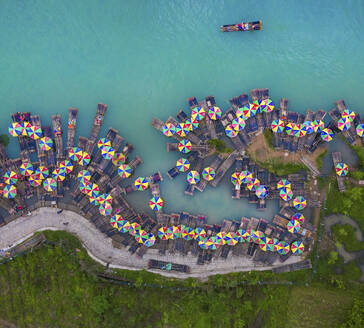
[(243, 27)]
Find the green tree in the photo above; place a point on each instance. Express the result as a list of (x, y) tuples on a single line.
[(4, 139)]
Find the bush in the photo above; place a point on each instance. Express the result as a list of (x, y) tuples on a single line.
[(268, 135), (320, 158), (219, 146), (4, 139), (345, 234)]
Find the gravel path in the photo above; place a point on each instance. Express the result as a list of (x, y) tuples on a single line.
[(100, 248)]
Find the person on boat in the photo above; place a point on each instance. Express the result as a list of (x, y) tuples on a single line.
[(240, 27)]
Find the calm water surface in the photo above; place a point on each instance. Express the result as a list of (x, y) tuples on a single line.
[(144, 58)]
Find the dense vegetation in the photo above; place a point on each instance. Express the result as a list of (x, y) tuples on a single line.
[(280, 168), (4, 139), (345, 234), (359, 174), (56, 286), (268, 135), (219, 146)]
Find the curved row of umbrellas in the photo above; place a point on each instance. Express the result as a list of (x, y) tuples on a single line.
[(25, 129), (253, 184)]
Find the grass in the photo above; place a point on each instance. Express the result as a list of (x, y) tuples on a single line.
[(279, 168), (268, 135), (319, 159), (219, 146), (345, 234)]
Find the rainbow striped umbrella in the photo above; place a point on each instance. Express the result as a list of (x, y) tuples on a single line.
[(211, 243), (198, 113), (318, 126), (156, 203), (231, 238), (270, 244), (105, 209), (107, 152), (10, 191), (46, 143), (116, 221), (35, 132), (214, 113), (256, 236), (200, 234), (283, 183), (141, 237), (15, 129), (75, 154), (59, 174), (93, 191), (93, 201), (169, 129), (246, 176), (261, 192), (118, 159), (244, 112), (239, 234), (192, 124), (258, 105), (277, 245), (249, 235), (208, 173), (84, 175), (286, 194), (173, 232), (10, 177), (277, 126), (263, 244), (253, 109), (125, 227), (66, 165), (327, 134), (299, 217), (253, 184), (182, 129), (141, 184), (105, 198), (293, 226), (289, 128), (149, 242), (193, 177), (236, 179), (50, 184), (239, 113), (220, 238), (26, 169), (299, 203), (183, 165), (344, 124), (238, 124), (202, 243), (185, 146), (34, 182), (360, 130), (342, 169), (299, 131), (297, 247), (308, 125), (349, 114), (267, 105), (285, 248), (230, 131), (26, 127), (41, 173), (134, 228), (124, 171), (84, 186), (103, 142), (85, 159), (162, 233), (245, 235), (188, 233)]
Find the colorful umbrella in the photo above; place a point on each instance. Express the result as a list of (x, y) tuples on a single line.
[(141, 184), (193, 177), (34, 182), (299, 203), (41, 173), (293, 226), (245, 235), (342, 169), (263, 244), (116, 221), (124, 171), (46, 143), (59, 174), (249, 235), (211, 243), (283, 183), (34, 132), (244, 112), (10, 191), (309, 127), (15, 129), (299, 131), (105, 198), (85, 159), (286, 194), (253, 184), (236, 179), (125, 227), (50, 184), (289, 128), (105, 209), (256, 236), (349, 114), (118, 159), (173, 232), (214, 113), (318, 126), (192, 124), (200, 233), (183, 165), (26, 169), (182, 129), (246, 176), (208, 173), (198, 113), (220, 238), (277, 126), (261, 192), (84, 186), (156, 203), (162, 233), (327, 134), (93, 190), (297, 247), (10, 177), (253, 109), (231, 238), (188, 233), (202, 243), (84, 175), (270, 244), (142, 237), (134, 227), (26, 128), (299, 217), (344, 124), (277, 245), (149, 242), (285, 248), (239, 113), (67, 165), (360, 130), (75, 154), (93, 201), (103, 142), (184, 146), (267, 105), (238, 124), (230, 131), (239, 234), (258, 105)]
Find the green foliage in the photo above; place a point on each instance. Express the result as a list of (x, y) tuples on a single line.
[(4, 139), (320, 158), (268, 136), (355, 317), (219, 146), (333, 257), (277, 167), (358, 175), (345, 234)]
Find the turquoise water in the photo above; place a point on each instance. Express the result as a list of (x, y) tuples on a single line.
[(144, 58)]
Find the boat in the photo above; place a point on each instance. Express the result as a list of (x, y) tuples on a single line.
[(242, 27)]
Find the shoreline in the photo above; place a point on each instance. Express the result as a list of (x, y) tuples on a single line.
[(100, 248)]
